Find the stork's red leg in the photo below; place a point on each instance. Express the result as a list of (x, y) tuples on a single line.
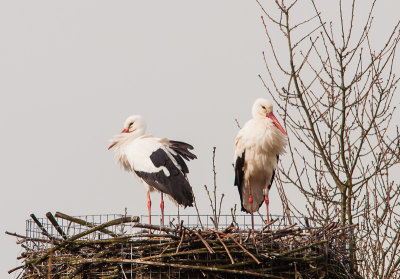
[(251, 207), (149, 207), (266, 198), (162, 209)]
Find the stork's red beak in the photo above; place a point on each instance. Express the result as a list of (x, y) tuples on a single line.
[(276, 123), (114, 143)]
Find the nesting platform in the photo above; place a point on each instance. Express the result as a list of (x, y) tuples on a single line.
[(119, 246)]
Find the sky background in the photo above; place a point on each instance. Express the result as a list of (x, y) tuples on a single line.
[(71, 72)]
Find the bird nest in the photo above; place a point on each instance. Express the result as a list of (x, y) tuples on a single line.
[(62, 246)]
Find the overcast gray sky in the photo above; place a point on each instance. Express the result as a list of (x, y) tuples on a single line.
[(71, 72)]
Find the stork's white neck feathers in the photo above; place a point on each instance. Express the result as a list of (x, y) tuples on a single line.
[(134, 127)]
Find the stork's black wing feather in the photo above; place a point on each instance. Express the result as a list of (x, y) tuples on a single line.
[(273, 174), (175, 184), (181, 163), (239, 174), (182, 148)]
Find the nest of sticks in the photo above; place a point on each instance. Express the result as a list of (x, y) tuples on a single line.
[(184, 252)]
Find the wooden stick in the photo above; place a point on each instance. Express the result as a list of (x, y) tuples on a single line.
[(305, 259), (118, 239), (244, 249), (55, 224), (123, 271), (17, 235), (204, 242), (76, 272), (83, 223), (180, 242), (15, 268), (236, 264), (227, 251), (303, 248), (154, 227), (44, 231), (190, 252), (49, 265), (156, 236), (166, 248), (269, 224), (26, 239)]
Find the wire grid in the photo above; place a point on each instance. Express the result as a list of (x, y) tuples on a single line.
[(204, 221), (33, 231), (243, 222)]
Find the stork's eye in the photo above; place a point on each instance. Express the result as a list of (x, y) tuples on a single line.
[(263, 107), (131, 124)]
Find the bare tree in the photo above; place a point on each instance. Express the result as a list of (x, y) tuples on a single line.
[(337, 99)]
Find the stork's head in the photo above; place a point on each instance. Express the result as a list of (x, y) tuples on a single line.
[(263, 108), (134, 127), (134, 123)]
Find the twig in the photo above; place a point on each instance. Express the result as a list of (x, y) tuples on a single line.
[(237, 123), (56, 225), (303, 248), (82, 222), (165, 249), (244, 249), (197, 212), (233, 213), (123, 271), (180, 242), (154, 227), (44, 231), (269, 224), (211, 250), (16, 268), (49, 264), (226, 249)]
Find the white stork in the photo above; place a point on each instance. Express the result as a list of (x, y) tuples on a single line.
[(157, 162), (257, 148)]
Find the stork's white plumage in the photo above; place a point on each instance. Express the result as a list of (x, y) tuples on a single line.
[(157, 162), (257, 148)]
